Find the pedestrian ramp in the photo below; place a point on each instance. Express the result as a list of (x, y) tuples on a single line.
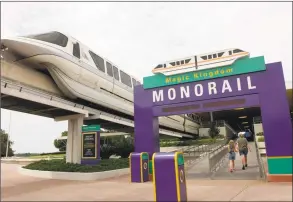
[(252, 172)]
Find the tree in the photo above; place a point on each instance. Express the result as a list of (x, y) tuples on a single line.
[(61, 144), (124, 146), (214, 131), (4, 139)]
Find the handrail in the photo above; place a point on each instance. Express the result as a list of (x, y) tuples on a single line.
[(261, 166), (216, 157), (228, 126), (202, 150)]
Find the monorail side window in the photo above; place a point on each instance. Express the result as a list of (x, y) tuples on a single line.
[(158, 66), (125, 79), (209, 56), (116, 73), (99, 62), (221, 54), (52, 37), (237, 51), (109, 69), (214, 55), (76, 50)]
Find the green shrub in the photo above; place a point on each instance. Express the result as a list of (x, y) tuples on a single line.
[(259, 134), (261, 139), (220, 136), (106, 151), (205, 141), (176, 143), (124, 147), (204, 137), (61, 165)]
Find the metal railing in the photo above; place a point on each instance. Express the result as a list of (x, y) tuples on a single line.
[(196, 153), (261, 164), (228, 126), (217, 157)]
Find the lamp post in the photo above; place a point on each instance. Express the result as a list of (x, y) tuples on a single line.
[(7, 145)]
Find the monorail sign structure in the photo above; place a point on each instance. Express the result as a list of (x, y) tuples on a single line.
[(218, 82)]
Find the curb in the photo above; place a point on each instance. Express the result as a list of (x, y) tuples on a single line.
[(74, 175)]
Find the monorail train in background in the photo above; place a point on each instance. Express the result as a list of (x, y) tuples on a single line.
[(84, 76), (200, 62)]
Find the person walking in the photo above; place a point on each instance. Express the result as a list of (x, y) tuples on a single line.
[(243, 149), (232, 155)]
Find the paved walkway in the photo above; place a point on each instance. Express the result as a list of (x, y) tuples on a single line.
[(16, 187), (200, 170), (251, 172)]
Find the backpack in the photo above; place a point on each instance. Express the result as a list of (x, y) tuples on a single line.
[(231, 148)]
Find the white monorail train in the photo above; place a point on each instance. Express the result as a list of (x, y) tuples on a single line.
[(200, 62), (81, 73)]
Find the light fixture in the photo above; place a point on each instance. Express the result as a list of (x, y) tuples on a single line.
[(242, 117), (238, 108), (244, 122)]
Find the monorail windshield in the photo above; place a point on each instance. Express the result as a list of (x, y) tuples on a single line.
[(52, 37)]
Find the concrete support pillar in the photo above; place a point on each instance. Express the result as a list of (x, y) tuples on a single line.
[(211, 116), (73, 147)]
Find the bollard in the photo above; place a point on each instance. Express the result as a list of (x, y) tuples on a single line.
[(169, 177), (139, 167)]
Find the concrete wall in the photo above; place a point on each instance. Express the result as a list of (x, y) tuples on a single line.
[(257, 128), (204, 132), (29, 77)]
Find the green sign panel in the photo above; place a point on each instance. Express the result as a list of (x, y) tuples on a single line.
[(241, 66), (150, 167), (180, 159), (280, 165), (145, 156), (91, 128)]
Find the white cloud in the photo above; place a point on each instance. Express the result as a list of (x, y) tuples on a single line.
[(137, 36)]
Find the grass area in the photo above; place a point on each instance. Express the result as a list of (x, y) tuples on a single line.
[(189, 142), (52, 156), (61, 166)]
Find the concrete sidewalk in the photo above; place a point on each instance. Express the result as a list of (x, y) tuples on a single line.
[(16, 187)]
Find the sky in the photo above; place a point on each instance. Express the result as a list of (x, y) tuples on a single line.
[(137, 36)]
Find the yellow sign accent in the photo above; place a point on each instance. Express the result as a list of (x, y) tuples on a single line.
[(199, 75), (154, 176)]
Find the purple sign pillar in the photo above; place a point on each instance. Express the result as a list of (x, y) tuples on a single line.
[(90, 145), (169, 177), (265, 89), (139, 167)]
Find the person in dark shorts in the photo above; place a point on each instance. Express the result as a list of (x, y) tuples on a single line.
[(243, 149), (232, 155)]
